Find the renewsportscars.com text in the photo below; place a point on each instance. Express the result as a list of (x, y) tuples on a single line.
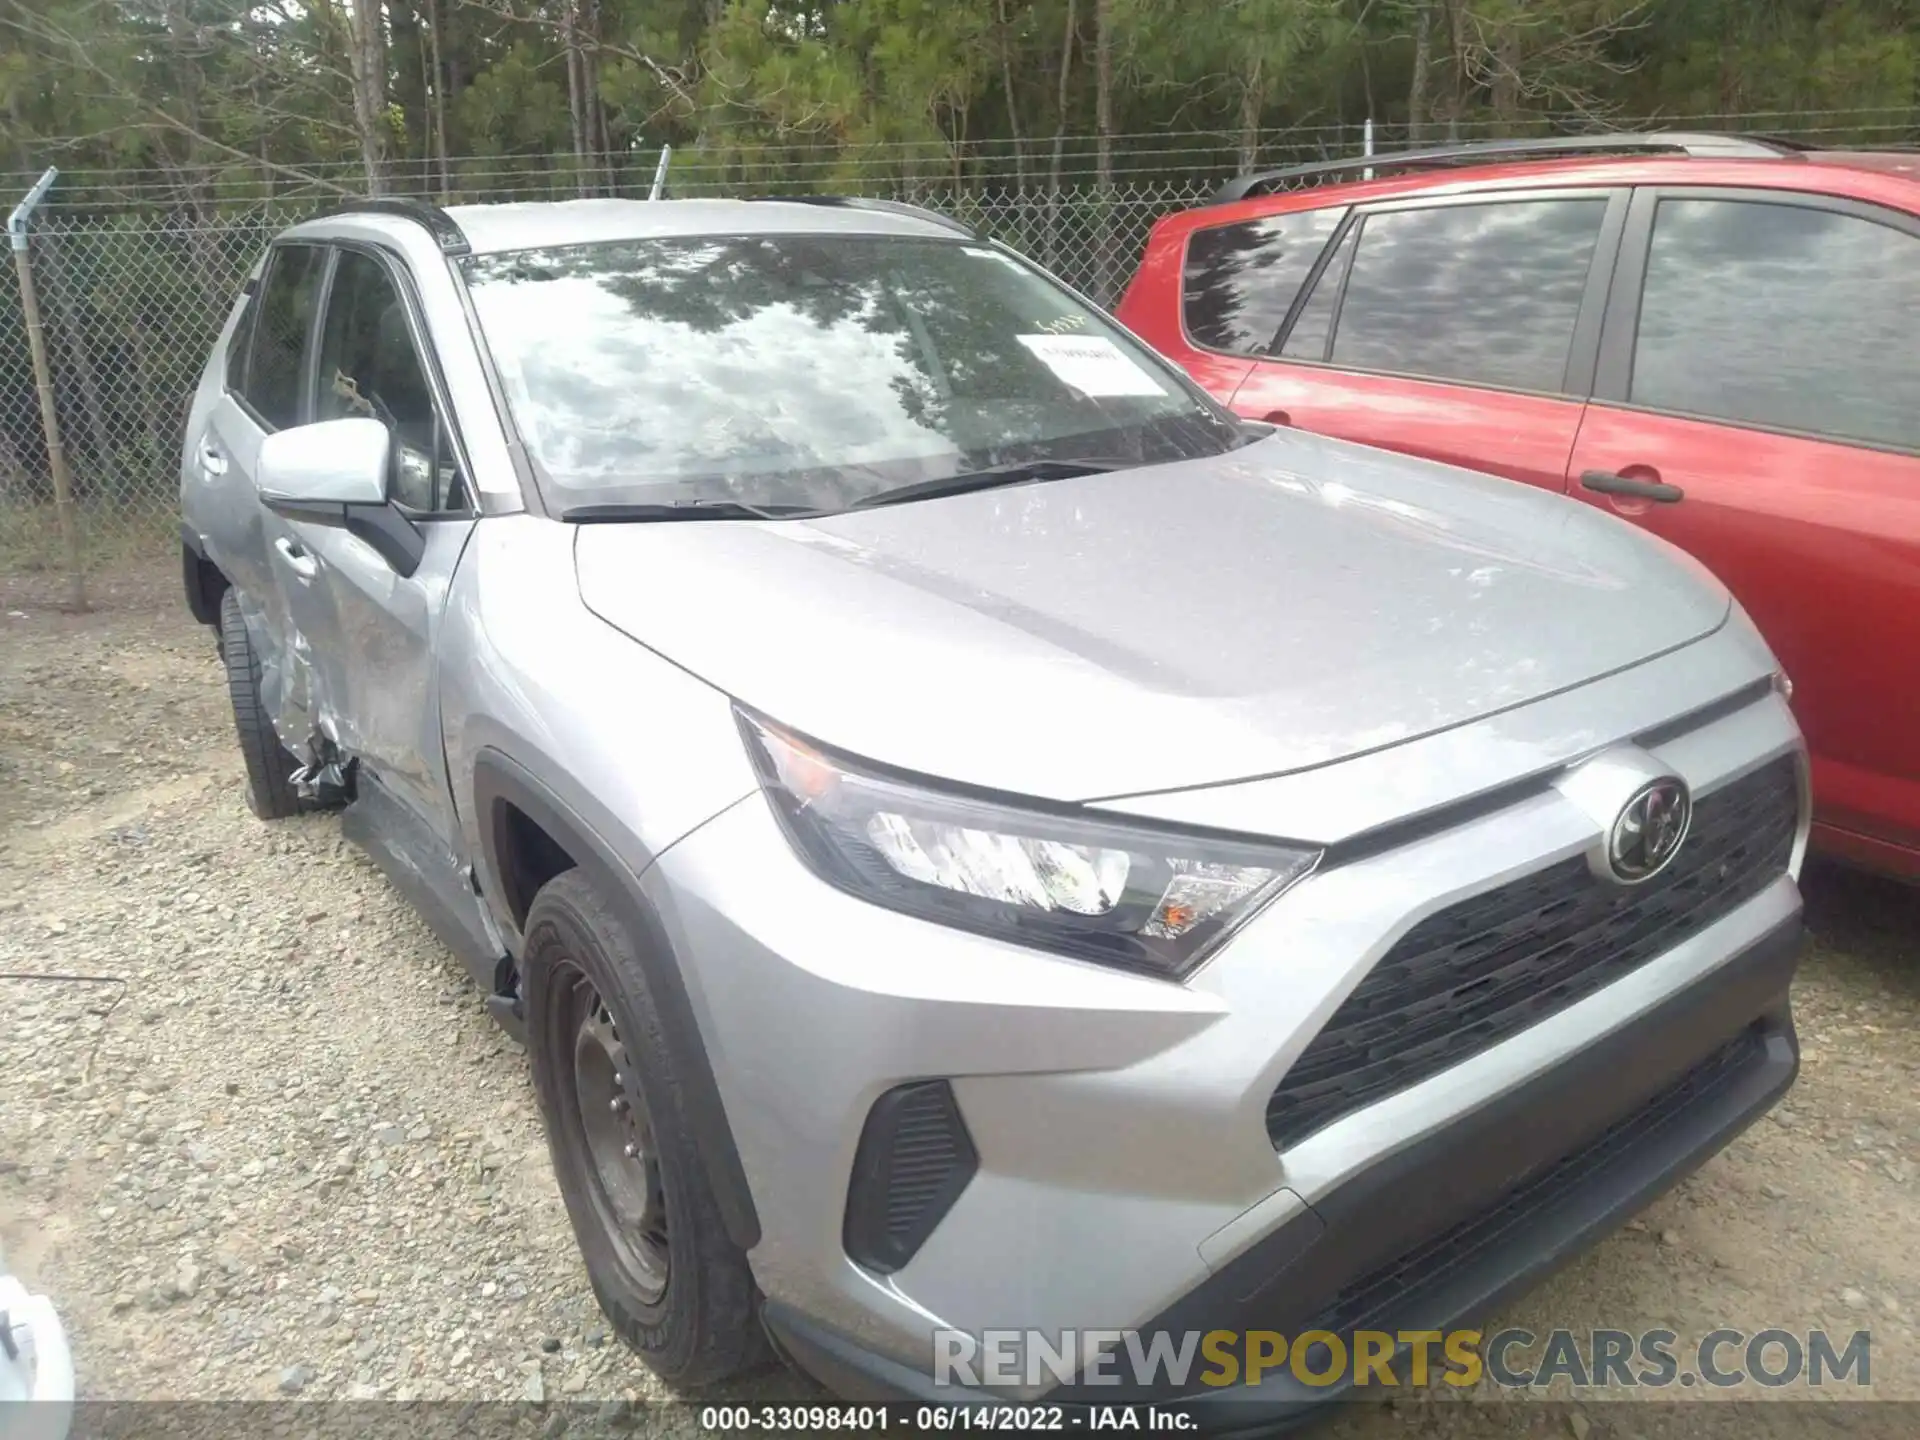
[(1512, 1359)]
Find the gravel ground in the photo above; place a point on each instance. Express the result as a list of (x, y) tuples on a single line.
[(257, 1137)]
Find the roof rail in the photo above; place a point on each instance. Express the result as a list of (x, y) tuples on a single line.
[(444, 228), (1698, 146), (891, 207)]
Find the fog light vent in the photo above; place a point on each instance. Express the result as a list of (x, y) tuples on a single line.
[(914, 1159)]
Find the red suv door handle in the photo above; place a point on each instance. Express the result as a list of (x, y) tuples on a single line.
[(1607, 483)]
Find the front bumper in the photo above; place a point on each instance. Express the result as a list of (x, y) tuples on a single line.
[(1444, 1231)]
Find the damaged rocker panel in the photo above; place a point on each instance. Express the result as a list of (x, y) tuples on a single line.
[(326, 776), (434, 880)]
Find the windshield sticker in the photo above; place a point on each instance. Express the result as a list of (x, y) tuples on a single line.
[(1092, 364)]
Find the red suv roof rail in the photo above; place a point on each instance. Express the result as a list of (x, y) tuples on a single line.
[(1695, 145)]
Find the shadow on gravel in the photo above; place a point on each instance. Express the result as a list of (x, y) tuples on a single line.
[(1865, 926)]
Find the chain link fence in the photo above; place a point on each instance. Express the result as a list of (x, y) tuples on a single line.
[(136, 275), (130, 304)]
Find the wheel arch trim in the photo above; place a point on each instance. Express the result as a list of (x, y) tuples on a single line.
[(498, 782)]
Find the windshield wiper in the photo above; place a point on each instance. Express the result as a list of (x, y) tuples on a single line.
[(684, 510), (1013, 472)]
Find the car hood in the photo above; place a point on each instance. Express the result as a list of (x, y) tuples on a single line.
[(1289, 604)]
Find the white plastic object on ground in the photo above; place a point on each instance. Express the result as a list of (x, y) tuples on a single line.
[(35, 1366)]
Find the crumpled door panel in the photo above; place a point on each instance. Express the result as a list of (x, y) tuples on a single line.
[(371, 671), (286, 667)]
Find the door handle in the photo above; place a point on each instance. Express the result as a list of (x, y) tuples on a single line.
[(1277, 417), (1607, 483), (211, 460), (297, 558)]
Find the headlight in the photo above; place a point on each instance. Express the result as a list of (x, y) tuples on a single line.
[(1117, 893)]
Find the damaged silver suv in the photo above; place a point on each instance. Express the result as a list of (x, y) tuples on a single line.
[(971, 834)]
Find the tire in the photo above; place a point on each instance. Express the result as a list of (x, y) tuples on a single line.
[(670, 1281), (270, 792)]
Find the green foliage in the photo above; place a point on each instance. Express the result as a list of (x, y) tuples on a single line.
[(519, 102), (231, 94), (1714, 56)]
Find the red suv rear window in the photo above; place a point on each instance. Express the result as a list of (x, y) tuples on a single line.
[(1240, 280)]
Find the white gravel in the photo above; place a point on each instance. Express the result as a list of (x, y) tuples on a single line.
[(262, 1141)]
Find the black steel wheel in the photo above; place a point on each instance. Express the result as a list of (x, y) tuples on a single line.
[(616, 1133), (667, 1275)]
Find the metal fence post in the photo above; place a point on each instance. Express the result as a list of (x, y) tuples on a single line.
[(43, 382)]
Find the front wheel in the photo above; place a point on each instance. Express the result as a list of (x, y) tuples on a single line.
[(668, 1277)]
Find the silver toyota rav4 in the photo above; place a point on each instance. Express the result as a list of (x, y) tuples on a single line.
[(972, 836)]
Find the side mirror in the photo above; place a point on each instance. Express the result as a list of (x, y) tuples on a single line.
[(334, 472), (325, 465)]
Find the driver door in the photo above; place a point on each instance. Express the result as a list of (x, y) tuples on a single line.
[(372, 621)]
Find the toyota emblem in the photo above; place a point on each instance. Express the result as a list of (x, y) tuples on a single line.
[(1650, 830)]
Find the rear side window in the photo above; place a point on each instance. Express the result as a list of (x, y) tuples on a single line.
[(1783, 316), (1482, 294), (1240, 280), (282, 316)]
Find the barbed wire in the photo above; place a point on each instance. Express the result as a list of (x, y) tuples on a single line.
[(1135, 150)]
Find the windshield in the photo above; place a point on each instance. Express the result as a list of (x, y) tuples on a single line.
[(812, 371)]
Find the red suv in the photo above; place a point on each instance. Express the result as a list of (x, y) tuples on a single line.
[(1716, 337)]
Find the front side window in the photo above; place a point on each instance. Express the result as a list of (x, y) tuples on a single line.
[(1240, 280), (1783, 316), (369, 367), (812, 371), (283, 316), (1484, 294)]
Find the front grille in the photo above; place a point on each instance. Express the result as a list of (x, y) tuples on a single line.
[(1470, 976), (1366, 1298)]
